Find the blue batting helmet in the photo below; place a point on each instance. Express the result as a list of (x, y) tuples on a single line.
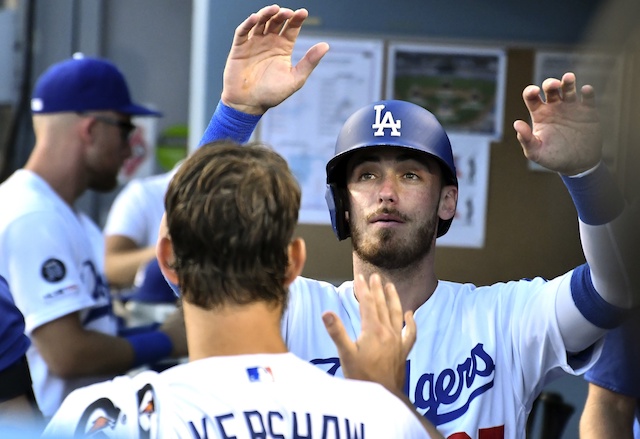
[(392, 123)]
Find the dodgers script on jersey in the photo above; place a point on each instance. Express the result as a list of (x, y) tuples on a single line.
[(481, 356), (244, 396), (54, 267)]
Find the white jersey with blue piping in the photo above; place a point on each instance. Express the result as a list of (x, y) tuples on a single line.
[(242, 396), (52, 258), (481, 356)]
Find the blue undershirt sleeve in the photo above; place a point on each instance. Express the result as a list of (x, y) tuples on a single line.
[(228, 123), (596, 196)]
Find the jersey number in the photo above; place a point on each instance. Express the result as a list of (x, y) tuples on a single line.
[(483, 433)]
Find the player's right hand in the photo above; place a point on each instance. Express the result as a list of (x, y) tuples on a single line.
[(258, 74), (380, 352)]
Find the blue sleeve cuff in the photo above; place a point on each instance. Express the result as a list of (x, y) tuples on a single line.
[(150, 347), (590, 304), (596, 196), (227, 123)]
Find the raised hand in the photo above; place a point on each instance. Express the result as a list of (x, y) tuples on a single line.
[(258, 74), (566, 135), (380, 352)]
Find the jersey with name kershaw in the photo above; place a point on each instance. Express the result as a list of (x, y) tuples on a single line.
[(244, 396), (53, 260), (481, 356)]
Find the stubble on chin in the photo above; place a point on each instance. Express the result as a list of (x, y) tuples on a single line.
[(386, 250)]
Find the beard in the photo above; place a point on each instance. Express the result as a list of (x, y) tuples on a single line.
[(388, 249)]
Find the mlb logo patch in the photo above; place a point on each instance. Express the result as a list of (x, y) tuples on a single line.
[(259, 374)]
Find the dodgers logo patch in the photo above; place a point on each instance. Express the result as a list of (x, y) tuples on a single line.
[(385, 121), (53, 270)]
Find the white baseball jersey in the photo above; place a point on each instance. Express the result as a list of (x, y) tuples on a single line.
[(481, 357), (52, 258), (243, 396), (137, 210)]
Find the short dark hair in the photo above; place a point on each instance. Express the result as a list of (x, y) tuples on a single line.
[(231, 214)]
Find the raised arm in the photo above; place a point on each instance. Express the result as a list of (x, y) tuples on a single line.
[(258, 74), (566, 137)]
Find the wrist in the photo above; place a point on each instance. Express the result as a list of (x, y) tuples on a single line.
[(229, 123), (242, 108), (595, 195), (149, 347)]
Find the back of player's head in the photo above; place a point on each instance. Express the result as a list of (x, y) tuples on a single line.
[(231, 214), (393, 124)]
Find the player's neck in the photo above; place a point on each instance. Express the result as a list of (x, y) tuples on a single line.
[(415, 284), (233, 330)]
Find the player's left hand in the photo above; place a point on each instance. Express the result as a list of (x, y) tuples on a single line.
[(380, 352), (566, 135)]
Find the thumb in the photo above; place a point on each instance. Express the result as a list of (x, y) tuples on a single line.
[(310, 61), (338, 334)]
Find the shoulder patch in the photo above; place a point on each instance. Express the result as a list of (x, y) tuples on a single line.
[(53, 270)]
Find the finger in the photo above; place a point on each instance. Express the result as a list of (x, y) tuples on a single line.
[(292, 27), (394, 305), (409, 333), (551, 88), (309, 62), (531, 97), (264, 15), (523, 130), (338, 334), (242, 31), (569, 92), (526, 138), (588, 95), (274, 25)]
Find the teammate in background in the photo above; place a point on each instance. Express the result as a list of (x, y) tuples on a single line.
[(130, 234), (52, 254), (612, 408), (17, 403), (483, 353), (227, 240), (131, 229)]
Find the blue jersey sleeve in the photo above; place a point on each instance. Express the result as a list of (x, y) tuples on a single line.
[(13, 341), (618, 365)]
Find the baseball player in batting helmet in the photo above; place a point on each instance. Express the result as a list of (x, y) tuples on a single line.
[(391, 123)]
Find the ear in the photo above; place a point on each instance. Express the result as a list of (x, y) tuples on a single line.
[(164, 252), (297, 257), (85, 129), (448, 202)]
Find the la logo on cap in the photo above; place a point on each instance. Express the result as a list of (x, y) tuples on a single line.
[(386, 121)]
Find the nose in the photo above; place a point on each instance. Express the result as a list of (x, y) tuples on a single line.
[(388, 190)]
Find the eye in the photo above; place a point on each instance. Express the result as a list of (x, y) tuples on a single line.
[(366, 176), (411, 176)]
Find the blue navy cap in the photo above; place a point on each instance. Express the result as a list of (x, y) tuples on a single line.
[(83, 84)]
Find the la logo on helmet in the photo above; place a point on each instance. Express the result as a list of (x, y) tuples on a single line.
[(386, 121)]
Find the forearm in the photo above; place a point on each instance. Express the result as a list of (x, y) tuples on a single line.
[(607, 415), (607, 234), (70, 351), (122, 266), (89, 353)]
